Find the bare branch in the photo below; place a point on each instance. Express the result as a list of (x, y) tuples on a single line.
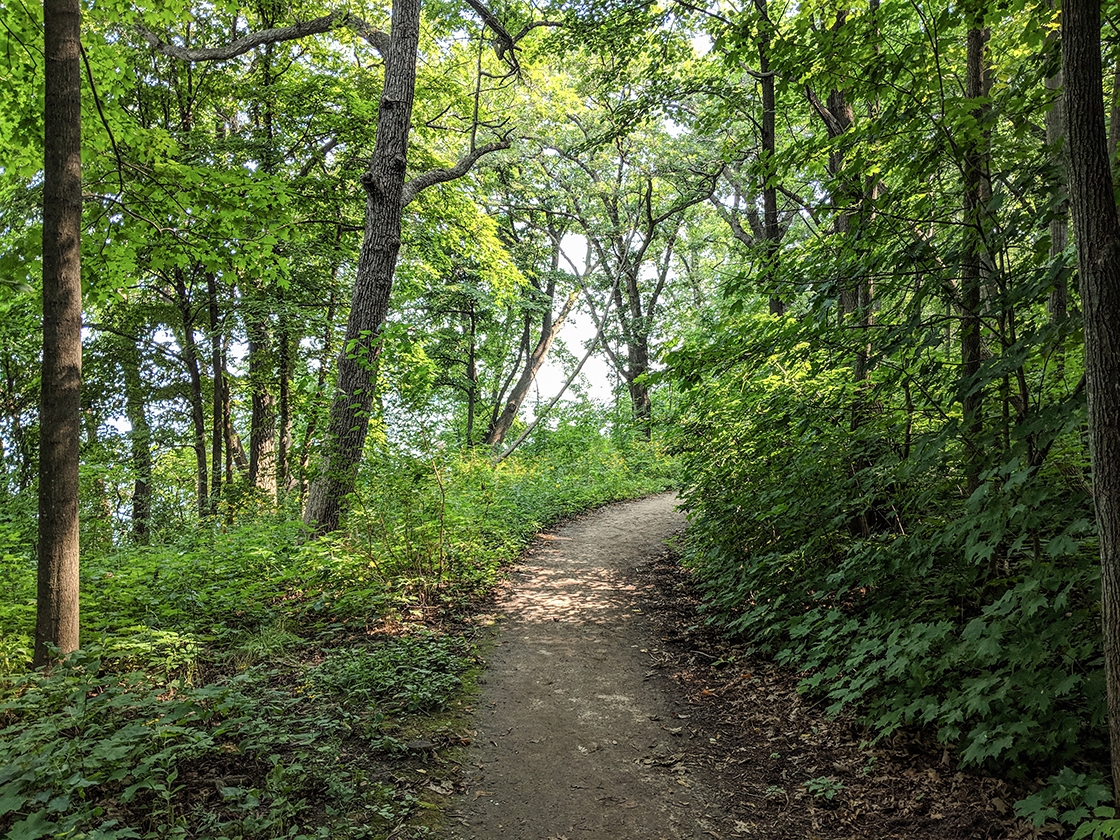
[(835, 128), (503, 41), (438, 176), (337, 19), (320, 154)]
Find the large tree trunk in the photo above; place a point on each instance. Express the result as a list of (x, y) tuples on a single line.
[(56, 614), (384, 185), (1097, 233)]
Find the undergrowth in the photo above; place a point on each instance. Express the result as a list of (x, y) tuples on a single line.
[(855, 553), (240, 682)]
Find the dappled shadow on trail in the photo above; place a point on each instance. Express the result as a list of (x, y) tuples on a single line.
[(573, 740)]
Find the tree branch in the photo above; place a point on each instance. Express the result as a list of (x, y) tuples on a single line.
[(337, 19), (438, 176), (835, 128)]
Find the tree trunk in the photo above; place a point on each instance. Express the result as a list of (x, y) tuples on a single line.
[(472, 371), (550, 327), (217, 403), (1097, 233), (637, 359), (262, 425), (139, 441), (771, 231), (384, 185), (320, 386), (284, 474), (198, 412), (972, 264), (56, 614), (1058, 302)]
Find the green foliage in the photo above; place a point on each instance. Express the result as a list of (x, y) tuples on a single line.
[(417, 673), (238, 660), (103, 754), (853, 555), (823, 787), (1070, 798)]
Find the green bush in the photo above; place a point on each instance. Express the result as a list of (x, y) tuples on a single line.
[(850, 551)]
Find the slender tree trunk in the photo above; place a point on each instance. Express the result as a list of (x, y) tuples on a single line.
[(19, 437), (217, 402), (139, 441), (56, 614), (550, 328), (1097, 233), (972, 263), (1058, 303), (284, 475), (384, 185), (198, 411), (770, 228), (320, 386), (262, 425), (472, 372)]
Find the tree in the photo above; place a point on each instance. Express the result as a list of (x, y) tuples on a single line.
[(627, 195), (56, 617), (547, 293), (1097, 233), (386, 197)]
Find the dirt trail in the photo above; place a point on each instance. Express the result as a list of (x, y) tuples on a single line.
[(574, 739)]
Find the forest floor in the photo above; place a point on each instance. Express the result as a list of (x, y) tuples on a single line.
[(609, 710)]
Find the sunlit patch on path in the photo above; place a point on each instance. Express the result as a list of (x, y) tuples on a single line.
[(573, 739)]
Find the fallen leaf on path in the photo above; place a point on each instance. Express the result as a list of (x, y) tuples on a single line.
[(479, 793)]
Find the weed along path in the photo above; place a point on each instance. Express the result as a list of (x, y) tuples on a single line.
[(574, 740)]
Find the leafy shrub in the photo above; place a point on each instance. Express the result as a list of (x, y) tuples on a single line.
[(850, 552)]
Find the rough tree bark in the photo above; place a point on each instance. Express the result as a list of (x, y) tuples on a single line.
[(387, 195), (56, 614), (384, 184), (1097, 233)]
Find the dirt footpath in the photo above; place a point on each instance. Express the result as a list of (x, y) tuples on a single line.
[(575, 740)]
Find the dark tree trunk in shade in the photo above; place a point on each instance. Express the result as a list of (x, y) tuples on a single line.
[(971, 264), (771, 231), (1097, 234), (140, 443), (217, 402), (198, 410), (56, 616)]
